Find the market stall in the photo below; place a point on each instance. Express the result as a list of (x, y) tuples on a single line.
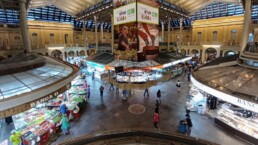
[(38, 124), (98, 69)]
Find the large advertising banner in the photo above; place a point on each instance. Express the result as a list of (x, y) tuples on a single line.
[(147, 14), (125, 14), (125, 28), (148, 30), (136, 29)]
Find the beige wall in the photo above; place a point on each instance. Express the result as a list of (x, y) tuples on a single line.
[(43, 31)]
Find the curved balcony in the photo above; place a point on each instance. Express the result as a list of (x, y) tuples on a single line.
[(137, 136), (21, 89)]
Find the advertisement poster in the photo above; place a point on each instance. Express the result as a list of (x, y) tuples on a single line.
[(126, 41), (147, 14), (136, 29), (148, 30), (125, 14)]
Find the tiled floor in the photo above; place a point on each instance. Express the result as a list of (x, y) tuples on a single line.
[(111, 112)]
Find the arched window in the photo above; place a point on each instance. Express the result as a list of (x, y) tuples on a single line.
[(66, 38), (233, 35), (214, 36), (34, 38), (199, 36), (17, 40), (52, 39)]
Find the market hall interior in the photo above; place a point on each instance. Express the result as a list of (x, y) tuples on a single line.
[(72, 70)]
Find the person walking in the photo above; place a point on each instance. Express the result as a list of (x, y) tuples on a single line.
[(65, 126), (93, 76), (15, 138), (124, 92), (189, 76), (159, 95), (101, 89), (188, 107), (156, 120), (111, 87), (189, 124), (178, 84), (157, 107), (88, 91), (146, 91)]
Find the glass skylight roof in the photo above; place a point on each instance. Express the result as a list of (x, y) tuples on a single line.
[(18, 83)]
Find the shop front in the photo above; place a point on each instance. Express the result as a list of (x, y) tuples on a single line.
[(39, 125), (237, 115), (98, 70)]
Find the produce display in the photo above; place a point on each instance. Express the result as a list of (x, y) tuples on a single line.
[(38, 124)]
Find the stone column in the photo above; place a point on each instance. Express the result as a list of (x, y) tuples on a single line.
[(84, 38), (246, 26), (101, 32), (112, 33), (162, 31), (180, 34), (96, 33), (169, 35), (24, 26)]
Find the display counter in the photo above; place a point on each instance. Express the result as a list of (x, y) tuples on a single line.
[(136, 77), (36, 125), (243, 125)]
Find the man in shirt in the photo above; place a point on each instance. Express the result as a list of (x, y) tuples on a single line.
[(15, 138), (101, 89), (123, 40), (189, 124)]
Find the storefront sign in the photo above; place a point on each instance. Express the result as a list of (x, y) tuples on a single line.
[(50, 96), (226, 97), (147, 14), (125, 14)]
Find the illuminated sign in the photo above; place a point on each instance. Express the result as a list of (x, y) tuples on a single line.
[(125, 14), (147, 14), (226, 97)]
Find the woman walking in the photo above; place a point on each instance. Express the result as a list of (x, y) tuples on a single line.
[(159, 95), (156, 120), (65, 126)]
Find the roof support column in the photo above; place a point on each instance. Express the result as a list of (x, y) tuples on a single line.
[(24, 26), (101, 32), (96, 33), (84, 39), (180, 34), (162, 31), (112, 33), (169, 35), (246, 26)]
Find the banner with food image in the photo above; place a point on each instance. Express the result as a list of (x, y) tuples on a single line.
[(126, 41), (148, 29)]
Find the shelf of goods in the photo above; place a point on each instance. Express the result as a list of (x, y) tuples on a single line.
[(36, 125), (248, 126)]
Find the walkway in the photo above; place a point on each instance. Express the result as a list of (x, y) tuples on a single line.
[(111, 112)]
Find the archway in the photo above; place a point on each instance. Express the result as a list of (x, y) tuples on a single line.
[(56, 54), (195, 54), (183, 51), (210, 53), (71, 54), (82, 53), (229, 53)]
